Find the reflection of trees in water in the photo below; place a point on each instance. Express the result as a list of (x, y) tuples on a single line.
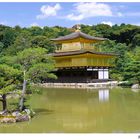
[(43, 111)]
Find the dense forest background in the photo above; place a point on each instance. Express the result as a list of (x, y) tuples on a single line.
[(124, 40)]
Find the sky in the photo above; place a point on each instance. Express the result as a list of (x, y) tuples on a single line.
[(67, 14)]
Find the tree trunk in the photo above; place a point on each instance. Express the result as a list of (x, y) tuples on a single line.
[(21, 103), (4, 102)]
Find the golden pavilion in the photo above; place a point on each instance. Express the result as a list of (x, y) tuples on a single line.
[(79, 61)]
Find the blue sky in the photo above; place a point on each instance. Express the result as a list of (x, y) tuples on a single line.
[(68, 14)]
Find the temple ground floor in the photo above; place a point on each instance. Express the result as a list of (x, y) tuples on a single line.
[(81, 75)]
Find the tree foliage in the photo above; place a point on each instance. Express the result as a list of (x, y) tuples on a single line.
[(9, 82), (9, 78), (36, 66)]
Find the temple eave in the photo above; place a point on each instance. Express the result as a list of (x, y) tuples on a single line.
[(60, 54)]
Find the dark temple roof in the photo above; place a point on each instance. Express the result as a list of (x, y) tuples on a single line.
[(76, 35), (81, 52)]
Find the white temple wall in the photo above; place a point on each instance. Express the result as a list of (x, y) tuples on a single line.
[(103, 74)]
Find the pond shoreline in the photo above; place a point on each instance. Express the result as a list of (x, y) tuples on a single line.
[(82, 85)]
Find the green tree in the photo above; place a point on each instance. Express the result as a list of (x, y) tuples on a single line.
[(36, 66), (132, 67), (43, 42), (132, 71), (9, 81), (35, 30), (22, 41), (9, 36), (1, 47), (136, 40)]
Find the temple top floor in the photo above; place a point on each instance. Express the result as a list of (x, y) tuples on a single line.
[(77, 41), (77, 36)]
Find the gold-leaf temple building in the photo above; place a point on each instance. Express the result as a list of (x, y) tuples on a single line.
[(79, 61)]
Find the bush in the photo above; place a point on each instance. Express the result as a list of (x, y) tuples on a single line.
[(126, 84), (116, 76)]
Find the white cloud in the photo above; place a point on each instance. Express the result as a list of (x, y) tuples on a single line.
[(75, 17), (107, 22), (86, 10), (34, 24), (47, 10)]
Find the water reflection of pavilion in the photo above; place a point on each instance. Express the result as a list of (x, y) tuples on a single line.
[(103, 95)]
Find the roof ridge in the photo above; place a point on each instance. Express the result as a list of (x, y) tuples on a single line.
[(76, 35)]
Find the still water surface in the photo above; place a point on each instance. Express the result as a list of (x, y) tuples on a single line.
[(82, 110)]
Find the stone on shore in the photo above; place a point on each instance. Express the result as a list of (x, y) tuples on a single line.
[(135, 86), (16, 113), (22, 118), (8, 120), (16, 116)]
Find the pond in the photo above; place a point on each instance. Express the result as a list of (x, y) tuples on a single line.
[(82, 110)]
